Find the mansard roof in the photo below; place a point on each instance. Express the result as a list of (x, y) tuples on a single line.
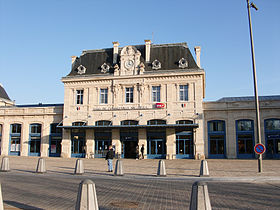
[(3, 93), (168, 55)]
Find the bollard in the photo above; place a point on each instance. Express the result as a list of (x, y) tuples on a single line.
[(79, 169), (86, 198), (200, 197), (5, 166), (41, 166), (161, 168), (204, 169), (119, 168)]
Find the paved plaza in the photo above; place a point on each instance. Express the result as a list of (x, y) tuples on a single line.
[(233, 184)]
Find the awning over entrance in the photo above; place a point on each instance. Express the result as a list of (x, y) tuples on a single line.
[(133, 126)]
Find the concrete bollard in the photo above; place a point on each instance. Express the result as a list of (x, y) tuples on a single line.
[(87, 199), (41, 166), (200, 198), (161, 168), (1, 199), (204, 169), (119, 168), (79, 169), (5, 166)]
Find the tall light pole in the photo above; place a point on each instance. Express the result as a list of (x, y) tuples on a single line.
[(249, 5)]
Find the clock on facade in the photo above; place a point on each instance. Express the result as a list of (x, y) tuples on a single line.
[(129, 64)]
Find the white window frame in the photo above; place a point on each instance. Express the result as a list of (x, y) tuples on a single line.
[(184, 93), (156, 93), (103, 94), (129, 94), (79, 97)]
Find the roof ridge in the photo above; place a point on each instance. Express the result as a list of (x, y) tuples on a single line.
[(153, 45)]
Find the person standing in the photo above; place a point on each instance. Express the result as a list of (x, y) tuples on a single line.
[(109, 158), (142, 151)]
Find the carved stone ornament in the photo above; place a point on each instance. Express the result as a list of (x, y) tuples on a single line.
[(156, 65), (105, 68), (81, 69), (141, 68), (116, 70), (183, 63)]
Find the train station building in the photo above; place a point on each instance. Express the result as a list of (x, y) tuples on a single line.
[(149, 96)]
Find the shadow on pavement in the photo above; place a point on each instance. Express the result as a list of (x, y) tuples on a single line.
[(20, 205), (33, 172)]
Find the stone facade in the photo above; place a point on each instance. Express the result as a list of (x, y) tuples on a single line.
[(147, 95), (232, 110)]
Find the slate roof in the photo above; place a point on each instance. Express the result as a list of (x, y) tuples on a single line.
[(167, 54), (249, 98), (3, 93)]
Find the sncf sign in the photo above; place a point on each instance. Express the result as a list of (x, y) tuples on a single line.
[(160, 105)]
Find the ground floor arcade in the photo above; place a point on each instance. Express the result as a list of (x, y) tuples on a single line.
[(160, 141)]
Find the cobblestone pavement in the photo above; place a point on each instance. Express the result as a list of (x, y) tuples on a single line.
[(140, 188)]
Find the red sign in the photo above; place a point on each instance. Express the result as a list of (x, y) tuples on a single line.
[(160, 105), (259, 149)]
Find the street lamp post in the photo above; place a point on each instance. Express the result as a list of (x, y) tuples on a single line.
[(255, 83)]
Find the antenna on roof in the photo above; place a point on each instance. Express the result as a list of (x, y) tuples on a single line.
[(152, 37)]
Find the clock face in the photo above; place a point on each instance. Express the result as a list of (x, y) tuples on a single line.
[(129, 63)]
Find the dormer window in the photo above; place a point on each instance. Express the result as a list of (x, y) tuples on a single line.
[(81, 69), (156, 65), (183, 63)]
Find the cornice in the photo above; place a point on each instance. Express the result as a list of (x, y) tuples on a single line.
[(150, 76)]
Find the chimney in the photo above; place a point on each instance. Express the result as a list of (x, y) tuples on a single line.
[(115, 52), (73, 59), (197, 50), (148, 50)]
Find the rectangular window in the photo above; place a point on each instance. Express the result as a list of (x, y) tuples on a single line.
[(129, 95), (183, 94), (156, 94), (79, 96), (104, 96)]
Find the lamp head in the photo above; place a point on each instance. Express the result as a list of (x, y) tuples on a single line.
[(253, 6)]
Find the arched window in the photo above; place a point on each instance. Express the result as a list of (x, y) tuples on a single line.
[(216, 139), (78, 142), (245, 138), (103, 123), (79, 123), (184, 122), (129, 122), (15, 139), (272, 137), (35, 139), (156, 122), (55, 140)]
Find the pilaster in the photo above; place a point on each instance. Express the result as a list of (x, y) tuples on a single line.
[(116, 141), (170, 143), (5, 139), (90, 144), (45, 140), (142, 137), (66, 144), (24, 144)]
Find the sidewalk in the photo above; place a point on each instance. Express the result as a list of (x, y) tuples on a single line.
[(174, 168)]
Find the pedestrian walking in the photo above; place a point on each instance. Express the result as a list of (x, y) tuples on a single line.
[(137, 152), (142, 151), (109, 158)]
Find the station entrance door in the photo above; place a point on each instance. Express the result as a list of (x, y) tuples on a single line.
[(129, 141)]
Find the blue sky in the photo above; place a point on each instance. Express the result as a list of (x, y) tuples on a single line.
[(38, 38)]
